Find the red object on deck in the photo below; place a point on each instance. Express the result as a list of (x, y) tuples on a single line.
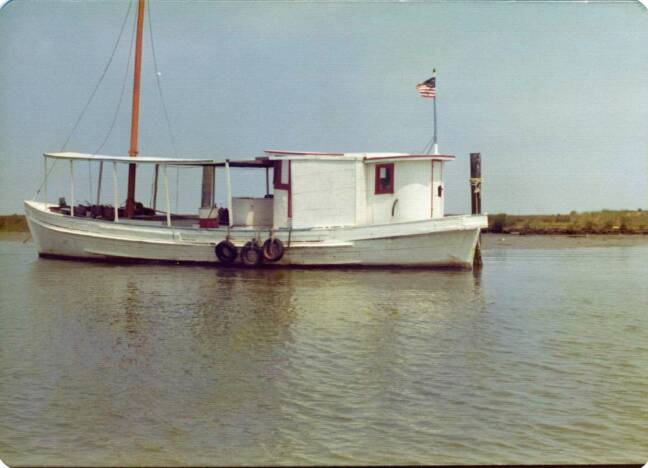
[(208, 223)]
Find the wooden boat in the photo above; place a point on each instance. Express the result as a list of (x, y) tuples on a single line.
[(323, 209)]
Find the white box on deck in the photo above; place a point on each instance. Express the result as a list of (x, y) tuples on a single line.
[(252, 211)]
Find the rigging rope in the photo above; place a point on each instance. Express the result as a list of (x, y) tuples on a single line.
[(89, 181), (123, 90), (159, 86), (103, 74), (177, 187), (45, 178), (428, 146), (164, 107)]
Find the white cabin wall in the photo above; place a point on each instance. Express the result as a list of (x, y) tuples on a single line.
[(437, 180), (323, 193), (360, 193), (412, 189)]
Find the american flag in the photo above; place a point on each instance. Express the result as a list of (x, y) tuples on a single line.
[(427, 89)]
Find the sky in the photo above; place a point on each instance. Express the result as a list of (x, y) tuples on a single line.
[(553, 94)]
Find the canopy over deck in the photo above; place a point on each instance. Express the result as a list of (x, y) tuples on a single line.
[(260, 162)]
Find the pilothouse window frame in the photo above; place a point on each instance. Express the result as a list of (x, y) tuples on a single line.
[(281, 175), (380, 188)]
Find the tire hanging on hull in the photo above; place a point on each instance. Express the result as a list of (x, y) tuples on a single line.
[(252, 254), (273, 250), (226, 252)]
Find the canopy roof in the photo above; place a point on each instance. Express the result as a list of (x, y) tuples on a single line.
[(257, 162)]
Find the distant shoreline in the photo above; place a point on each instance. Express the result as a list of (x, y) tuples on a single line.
[(15, 223), (606, 222)]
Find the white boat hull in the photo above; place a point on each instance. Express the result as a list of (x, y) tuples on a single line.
[(447, 242)]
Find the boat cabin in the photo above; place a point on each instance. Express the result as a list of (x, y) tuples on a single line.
[(309, 190), (355, 189)]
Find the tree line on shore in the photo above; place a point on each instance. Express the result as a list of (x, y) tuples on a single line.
[(592, 222), (13, 223)]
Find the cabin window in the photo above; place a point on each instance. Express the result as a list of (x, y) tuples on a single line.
[(281, 175), (384, 178)]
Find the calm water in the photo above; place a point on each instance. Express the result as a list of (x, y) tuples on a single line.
[(541, 358)]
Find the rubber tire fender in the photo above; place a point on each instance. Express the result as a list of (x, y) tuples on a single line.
[(226, 252), (273, 250), (251, 254)]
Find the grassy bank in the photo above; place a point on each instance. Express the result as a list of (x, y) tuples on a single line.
[(594, 222), (13, 223)]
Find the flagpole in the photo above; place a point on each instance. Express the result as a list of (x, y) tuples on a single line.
[(435, 146), (427, 89)]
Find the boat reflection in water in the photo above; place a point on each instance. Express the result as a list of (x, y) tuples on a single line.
[(240, 362)]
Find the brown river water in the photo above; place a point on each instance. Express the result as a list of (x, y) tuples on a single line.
[(542, 357)]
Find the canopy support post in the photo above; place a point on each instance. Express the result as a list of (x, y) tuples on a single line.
[(99, 182), (115, 192), (166, 195), (155, 185), (71, 187), (214, 187), (229, 194), (45, 181), (267, 181)]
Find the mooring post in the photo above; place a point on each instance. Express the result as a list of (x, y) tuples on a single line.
[(475, 183), (475, 199)]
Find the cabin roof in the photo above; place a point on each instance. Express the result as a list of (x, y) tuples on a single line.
[(367, 157), (259, 162)]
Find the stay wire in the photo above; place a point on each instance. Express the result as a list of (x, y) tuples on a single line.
[(45, 178), (159, 86), (101, 78), (123, 90), (163, 102), (428, 146)]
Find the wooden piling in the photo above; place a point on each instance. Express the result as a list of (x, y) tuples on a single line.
[(475, 183), (475, 199)]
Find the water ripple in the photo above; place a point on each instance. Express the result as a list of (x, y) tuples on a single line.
[(541, 358)]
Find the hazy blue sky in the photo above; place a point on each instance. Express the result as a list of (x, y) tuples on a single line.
[(554, 95)]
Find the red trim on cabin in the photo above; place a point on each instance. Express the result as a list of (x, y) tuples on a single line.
[(303, 153), (276, 177), (410, 156), (290, 190), (379, 189)]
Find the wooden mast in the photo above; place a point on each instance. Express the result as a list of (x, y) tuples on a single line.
[(132, 152)]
